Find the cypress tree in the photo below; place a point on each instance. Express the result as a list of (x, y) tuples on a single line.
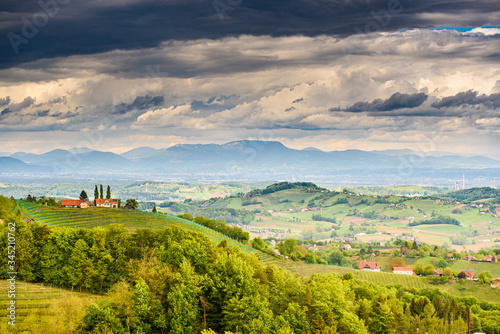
[(101, 192), (108, 192), (96, 194)]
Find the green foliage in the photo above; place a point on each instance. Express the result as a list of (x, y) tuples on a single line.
[(131, 203), (485, 277), (101, 320), (318, 217), (286, 247), (84, 196), (309, 186), (219, 225), (227, 214), (436, 220), (259, 244), (474, 194)]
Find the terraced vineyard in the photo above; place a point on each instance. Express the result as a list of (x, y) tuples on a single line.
[(376, 277), (390, 278), (130, 219), (35, 304)]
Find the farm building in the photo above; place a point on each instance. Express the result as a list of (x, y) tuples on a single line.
[(437, 272), (106, 202), (346, 247), (75, 203), (403, 270), (369, 266), (469, 273)]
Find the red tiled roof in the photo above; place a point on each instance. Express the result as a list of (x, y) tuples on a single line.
[(403, 269), (106, 200), (71, 202), (370, 264)]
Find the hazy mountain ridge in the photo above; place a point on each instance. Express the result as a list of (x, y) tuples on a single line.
[(245, 157)]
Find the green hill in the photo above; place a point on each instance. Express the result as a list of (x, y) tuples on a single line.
[(130, 219), (475, 194)]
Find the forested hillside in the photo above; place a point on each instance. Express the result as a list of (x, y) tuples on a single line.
[(475, 194), (179, 281)]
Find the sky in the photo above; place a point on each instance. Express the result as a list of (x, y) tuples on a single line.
[(114, 75)]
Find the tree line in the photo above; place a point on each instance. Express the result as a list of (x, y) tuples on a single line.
[(436, 220), (219, 225)]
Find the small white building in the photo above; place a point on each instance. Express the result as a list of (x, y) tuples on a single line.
[(403, 270)]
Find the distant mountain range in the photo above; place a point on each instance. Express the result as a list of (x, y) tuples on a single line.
[(245, 158)]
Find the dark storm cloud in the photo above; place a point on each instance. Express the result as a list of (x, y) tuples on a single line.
[(28, 101), (140, 103), (4, 101), (86, 27), (396, 101), (5, 111), (470, 98), (43, 113)]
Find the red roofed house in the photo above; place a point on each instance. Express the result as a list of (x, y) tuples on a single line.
[(75, 203), (469, 273), (106, 202), (369, 266), (403, 270), (437, 272)]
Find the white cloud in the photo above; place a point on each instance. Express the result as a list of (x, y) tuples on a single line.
[(285, 85)]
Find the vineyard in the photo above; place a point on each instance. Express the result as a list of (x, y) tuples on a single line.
[(390, 278), (130, 219), (37, 304)]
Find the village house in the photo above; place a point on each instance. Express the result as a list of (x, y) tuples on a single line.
[(106, 202), (369, 266), (346, 247), (437, 272), (75, 203), (403, 270), (469, 273)]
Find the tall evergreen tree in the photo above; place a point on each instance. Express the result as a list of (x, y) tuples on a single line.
[(108, 192), (96, 194), (101, 192), (84, 196)]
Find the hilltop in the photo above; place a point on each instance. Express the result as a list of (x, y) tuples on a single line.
[(304, 210)]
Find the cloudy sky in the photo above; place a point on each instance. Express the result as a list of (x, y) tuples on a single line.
[(348, 74)]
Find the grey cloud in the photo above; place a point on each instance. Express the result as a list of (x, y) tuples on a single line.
[(5, 111), (470, 98), (4, 101), (140, 103), (28, 101), (396, 101), (43, 113)]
